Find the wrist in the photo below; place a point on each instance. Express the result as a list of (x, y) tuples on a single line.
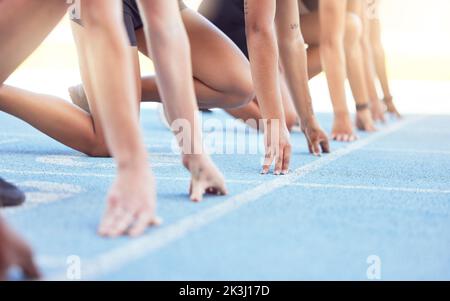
[(134, 163), (189, 159), (309, 122), (388, 98), (341, 113)]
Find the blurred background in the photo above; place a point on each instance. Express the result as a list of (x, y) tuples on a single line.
[(416, 36)]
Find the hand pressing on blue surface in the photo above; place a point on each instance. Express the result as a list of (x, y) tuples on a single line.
[(278, 148), (391, 108), (205, 177), (131, 204), (377, 108), (317, 139), (364, 121), (15, 252)]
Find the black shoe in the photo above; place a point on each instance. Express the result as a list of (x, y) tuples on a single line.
[(10, 195)]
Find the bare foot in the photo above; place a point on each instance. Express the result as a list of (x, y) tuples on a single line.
[(391, 108), (15, 252), (342, 129), (131, 204), (205, 177), (79, 97), (364, 121), (377, 109), (316, 138)]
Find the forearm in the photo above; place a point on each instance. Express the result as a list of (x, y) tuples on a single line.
[(265, 72), (333, 62), (172, 57), (369, 70), (114, 90), (369, 65), (379, 57), (380, 68), (294, 62), (332, 27)]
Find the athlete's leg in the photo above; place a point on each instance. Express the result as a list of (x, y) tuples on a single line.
[(310, 26), (38, 18), (221, 72), (23, 26), (56, 118), (222, 76)]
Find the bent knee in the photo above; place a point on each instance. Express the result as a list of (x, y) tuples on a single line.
[(246, 92), (240, 94), (97, 149)]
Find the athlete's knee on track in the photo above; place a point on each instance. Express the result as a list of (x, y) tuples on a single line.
[(246, 92), (353, 29), (96, 148)]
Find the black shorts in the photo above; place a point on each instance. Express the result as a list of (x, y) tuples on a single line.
[(133, 20), (229, 17)]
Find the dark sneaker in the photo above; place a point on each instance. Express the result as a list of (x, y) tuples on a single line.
[(10, 195)]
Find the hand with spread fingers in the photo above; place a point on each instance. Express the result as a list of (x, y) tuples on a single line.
[(131, 209), (364, 121), (378, 109), (317, 139), (205, 177), (391, 108), (278, 149), (342, 128)]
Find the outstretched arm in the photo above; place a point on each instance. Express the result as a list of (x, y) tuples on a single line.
[(369, 66), (332, 23), (379, 58), (169, 45), (263, 52), (132, 199), (294, 62)]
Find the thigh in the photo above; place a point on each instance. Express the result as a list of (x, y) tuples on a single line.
[(310, 26), (23, 26), (216, 60)]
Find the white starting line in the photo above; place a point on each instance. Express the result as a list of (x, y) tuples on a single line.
[(9, 141), (118, 257)]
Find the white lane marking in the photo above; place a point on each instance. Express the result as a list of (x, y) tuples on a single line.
[(157, 160), (9, 141), (40, 192), (110, 176), (408, 150), (62, 160), (118, 257), (50, 173), (370, 187)]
